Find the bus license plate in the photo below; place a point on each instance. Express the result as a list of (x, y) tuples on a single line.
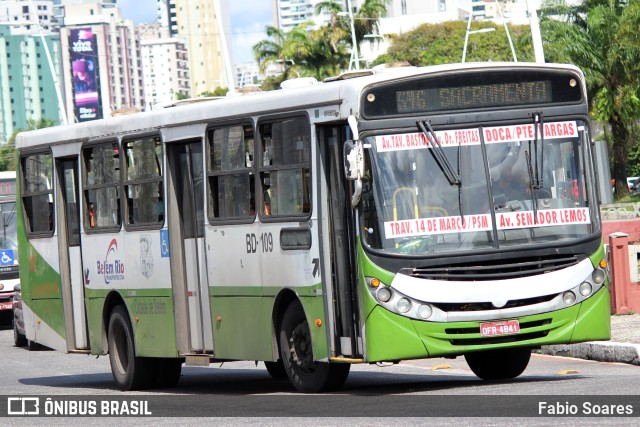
[(6, 305), (500, 328)]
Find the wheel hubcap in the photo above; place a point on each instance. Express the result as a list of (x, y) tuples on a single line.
[(300, 346)]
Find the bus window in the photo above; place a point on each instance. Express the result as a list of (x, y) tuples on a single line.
[(231, 176), (143, 183), (285, 172), (102, 186), (37, 193)]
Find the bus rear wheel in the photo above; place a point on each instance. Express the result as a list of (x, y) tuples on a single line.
[(129, 372), (168, 372), (276, 369), (503, 364), (297, 356)]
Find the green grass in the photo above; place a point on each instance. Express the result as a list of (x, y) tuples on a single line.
[(628, 199)]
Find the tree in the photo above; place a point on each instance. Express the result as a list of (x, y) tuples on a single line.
[(432, 44), (283, 48), (602, 38), (318, 53), (8, 151), (337, 32)]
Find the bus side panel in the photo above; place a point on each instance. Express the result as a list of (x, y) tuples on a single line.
[(154, 329), (244, 330), (299, 270), (94, 302), (41, 291), (134, 267)]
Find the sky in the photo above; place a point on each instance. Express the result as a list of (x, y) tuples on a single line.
[(248, 19)]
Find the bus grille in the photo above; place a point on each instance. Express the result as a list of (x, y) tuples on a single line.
[(524, 335), (9, 272), (487, 306), (499, 269)]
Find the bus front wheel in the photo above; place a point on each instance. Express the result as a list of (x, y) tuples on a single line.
[(500, 364), (297, 356), (129, 372)]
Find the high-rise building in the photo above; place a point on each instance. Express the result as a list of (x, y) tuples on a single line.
[(102, 69), (27, 89), (165, 65), (288, 14), (197, 23)]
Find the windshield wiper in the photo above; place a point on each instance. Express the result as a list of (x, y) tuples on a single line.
[(538, 126), (443, 162), (535, 176), (438, 153)]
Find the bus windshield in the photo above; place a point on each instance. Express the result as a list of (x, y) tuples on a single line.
[(8, 232), (515, 186)]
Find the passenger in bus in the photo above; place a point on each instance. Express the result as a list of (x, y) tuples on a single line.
[(269, 197), (160, 203), (510, 186), (92, 216)]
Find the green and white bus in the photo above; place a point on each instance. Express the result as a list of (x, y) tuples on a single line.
[(385, 215)]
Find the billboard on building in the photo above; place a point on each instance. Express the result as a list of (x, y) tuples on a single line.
[(85, 72)]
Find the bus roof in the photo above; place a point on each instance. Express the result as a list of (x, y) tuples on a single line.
[(343, 91)]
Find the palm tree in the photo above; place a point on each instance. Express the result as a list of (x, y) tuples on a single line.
[(279, 48), (602, 38), (367, 19), (337, 32)]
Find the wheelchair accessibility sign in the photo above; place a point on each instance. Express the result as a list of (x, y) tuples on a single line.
[(6, 257), (164, 244)]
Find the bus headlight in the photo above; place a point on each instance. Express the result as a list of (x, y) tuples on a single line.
[(598, 276), (425, 311), (403, 305), (383, 294), (585, 289), (569, 298)]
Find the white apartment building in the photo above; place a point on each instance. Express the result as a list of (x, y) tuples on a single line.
[(288, 14), (95, 39), (197, 23), (165, 65), (18, 14)]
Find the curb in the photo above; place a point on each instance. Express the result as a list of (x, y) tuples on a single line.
[(597, 350)]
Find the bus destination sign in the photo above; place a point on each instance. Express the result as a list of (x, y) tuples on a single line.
[(444, 94), (477, 96)]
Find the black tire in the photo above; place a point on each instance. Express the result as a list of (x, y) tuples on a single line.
[(297, 356), (276, 369), (168, 372), (499, 364), (129, 372), (19, 340)]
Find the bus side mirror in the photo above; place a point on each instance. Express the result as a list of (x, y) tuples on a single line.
[(354, 167), (353, 160)]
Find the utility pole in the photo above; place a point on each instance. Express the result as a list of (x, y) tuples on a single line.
[(536, 37)]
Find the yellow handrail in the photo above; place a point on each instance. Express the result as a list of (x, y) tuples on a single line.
[(395, 205)]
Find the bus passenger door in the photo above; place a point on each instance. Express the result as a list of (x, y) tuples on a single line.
[(185, 188), (68, 230), (338, 247)]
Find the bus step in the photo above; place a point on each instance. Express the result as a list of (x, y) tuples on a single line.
[(197, 360)]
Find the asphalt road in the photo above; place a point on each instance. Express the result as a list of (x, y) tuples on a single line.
[(241, 392)]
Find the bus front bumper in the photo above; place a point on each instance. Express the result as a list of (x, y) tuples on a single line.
[(391, 337)]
